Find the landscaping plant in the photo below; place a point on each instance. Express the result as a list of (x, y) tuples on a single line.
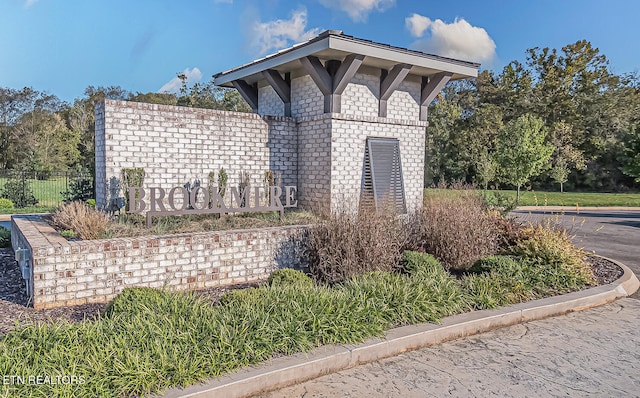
[(5, 237), (150, 340), (457, 229), (86, 222), (344, 244)]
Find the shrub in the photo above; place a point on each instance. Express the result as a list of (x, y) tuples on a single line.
[(5, 237), (80, 186), (503, 264), (131, 178), (501, 202), (91, 203), (86, 222), (421, 263), (67, 233), (345, 244), (561, 264), (486, 291), (18, 190), (6, 203), (509, 230), (457, 230), (288, 277)]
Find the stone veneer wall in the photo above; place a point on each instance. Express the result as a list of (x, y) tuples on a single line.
[(70, 273), (331, 145), (348, 141), (177, 144)]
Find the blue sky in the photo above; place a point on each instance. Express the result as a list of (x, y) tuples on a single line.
[(62, 46)]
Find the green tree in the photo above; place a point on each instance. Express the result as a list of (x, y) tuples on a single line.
[(155, 98), (566, 157), (486, 169), (631, 155), (521, 151), (441, 159)]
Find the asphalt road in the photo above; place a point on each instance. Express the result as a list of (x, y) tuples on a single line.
[(592, 353)]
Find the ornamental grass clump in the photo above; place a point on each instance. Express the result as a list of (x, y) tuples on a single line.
[(86, 222), (345, 244), (456, 229)]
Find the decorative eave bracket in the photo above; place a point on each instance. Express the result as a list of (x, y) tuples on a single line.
[(389, 82), (333, 79), (282, 87), (248, 92), (430, 88)]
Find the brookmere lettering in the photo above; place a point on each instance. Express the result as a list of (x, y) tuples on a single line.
[(241, 201)]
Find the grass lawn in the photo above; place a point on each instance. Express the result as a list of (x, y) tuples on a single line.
[(542, 198), (47, 192)]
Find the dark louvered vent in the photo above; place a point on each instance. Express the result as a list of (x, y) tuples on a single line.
[(382, 182)]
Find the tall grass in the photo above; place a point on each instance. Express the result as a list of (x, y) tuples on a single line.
[(149, 340)]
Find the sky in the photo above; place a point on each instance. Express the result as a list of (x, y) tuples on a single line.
[(63, 46)]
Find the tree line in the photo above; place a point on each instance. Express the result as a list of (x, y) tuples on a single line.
[(40, 133), (559, 120)]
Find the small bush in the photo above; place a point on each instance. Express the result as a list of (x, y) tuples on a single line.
[(486, 291), (503, 264), (80, 186), (288, 277), (5, 237), (456, 229), (421, 263), (67, 233), (345, 244), (86, 222), (6, 203), (18, 190), (561, 264), (509, 230), (91, 203)]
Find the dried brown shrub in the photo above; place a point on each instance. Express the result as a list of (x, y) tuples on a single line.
[(345, 244), (85, 221), (510, 231), (457, 229)]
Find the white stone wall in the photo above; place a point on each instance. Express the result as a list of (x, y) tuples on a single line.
[(347, 156), (360, 97), (403, 103), (178, 144), (94, 271), (269, 103), (314, 162), (306, 98)]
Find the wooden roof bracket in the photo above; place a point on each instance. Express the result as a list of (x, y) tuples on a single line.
[(431, 88), (332, 85)]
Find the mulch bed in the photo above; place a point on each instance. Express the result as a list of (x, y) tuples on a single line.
[(15, 308)]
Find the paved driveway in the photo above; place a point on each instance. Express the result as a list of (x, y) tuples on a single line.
[(592, 353)]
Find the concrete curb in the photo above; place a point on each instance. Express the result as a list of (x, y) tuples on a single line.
[(285, 371)]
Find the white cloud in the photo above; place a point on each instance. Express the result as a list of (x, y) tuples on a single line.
[(279, 33), (173, 86), (458, 39), (417, 24), (358, 10)]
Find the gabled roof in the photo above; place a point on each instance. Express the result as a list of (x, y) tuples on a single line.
[(333, 44)]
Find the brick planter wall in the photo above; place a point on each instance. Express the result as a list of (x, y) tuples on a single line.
[(70, 273)]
